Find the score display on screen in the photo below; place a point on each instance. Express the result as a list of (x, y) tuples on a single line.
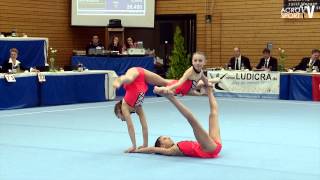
[(133, 13), (115, 7)]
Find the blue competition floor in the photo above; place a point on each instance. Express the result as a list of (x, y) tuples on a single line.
[(262, 139)]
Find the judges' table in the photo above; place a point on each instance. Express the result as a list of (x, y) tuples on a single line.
[(58, 89), (21, 94), (32, 51), (300, 86), (77, 87), (252, 84), (118, 64)]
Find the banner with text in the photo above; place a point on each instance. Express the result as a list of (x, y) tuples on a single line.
[(300, 9), (251, 84)]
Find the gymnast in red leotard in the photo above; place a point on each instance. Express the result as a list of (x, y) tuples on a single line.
[(135, 82), (190, 79), (208, 145)]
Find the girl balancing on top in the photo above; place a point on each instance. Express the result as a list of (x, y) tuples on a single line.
[(135, 82), (190, 79), (208, 144)]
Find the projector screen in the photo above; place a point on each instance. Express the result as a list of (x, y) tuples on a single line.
[(133, 13)]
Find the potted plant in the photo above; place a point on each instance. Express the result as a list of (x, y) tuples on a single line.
[(179, 59), (282, 59), (52, 59)]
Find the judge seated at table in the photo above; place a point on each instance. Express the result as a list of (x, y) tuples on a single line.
[(312, 62), (267, 62), (14, 65), (115, 45), (239, 62), (129, 43), (95, 43)]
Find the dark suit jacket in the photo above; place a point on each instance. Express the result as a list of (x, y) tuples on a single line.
[(91, 45), (8, 66), (304, 64), (244, 60), (273, 64)]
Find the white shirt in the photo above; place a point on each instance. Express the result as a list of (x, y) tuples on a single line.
[(16, 64), (311, 62)]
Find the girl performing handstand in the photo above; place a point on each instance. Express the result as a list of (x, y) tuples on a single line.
[(208, 145), (135, 82)]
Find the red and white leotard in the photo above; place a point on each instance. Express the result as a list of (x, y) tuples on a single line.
[(136, 90), (184, 88), (193, 149), (189, 84)]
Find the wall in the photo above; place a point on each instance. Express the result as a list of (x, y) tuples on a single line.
[(200, 8), (46, 18), (249, 24)]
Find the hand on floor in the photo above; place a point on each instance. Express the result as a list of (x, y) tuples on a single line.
[(143, 146), (130, 150)]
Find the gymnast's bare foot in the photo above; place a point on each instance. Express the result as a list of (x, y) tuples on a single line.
[(214, 80), (117, 83), (162, 91)]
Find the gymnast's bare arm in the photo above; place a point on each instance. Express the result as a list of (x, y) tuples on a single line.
[(144, 126), (187, 74), (127, 116), (172, 151), (204, 79)]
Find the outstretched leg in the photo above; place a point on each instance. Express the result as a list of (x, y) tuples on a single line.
[(214, 129), (130, 76), (201, 135), (155, 79)]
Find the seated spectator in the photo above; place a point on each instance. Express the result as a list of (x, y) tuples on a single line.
[(238, 61), (115, 45), (267, 62), (95, 43), (312, 61), (14, 65), (129, 43)]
